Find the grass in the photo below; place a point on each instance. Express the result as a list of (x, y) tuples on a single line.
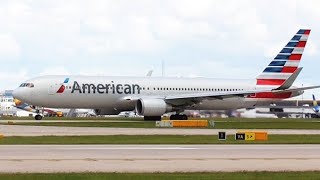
[(232, 123), (160, 176), (73, 118), (156, 139), (90, 124)]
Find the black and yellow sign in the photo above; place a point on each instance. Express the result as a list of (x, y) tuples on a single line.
[(250, 136), (240, 136)]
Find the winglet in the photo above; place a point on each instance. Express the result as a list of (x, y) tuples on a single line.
[(288, 82)]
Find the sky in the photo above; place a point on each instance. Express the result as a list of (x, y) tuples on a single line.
[(207, 38)]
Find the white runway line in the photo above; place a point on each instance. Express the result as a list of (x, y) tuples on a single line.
[(158, 158)]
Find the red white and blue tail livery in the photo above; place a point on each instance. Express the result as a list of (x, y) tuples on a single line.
[(286, 62)]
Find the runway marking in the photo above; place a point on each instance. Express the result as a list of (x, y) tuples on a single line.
[(158, 159), (129, 148)]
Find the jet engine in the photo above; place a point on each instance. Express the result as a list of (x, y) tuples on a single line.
[(152, 107)]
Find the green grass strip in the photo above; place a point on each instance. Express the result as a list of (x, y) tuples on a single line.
[(165, 176), (157, 139), (229, 124)]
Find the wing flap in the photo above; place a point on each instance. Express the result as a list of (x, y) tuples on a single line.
[(193, 98), (187, 99)]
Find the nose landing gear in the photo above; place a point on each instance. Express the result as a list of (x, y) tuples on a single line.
[(38, 117)]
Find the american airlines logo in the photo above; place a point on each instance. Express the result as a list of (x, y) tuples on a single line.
[(62, 87), (105, 88)]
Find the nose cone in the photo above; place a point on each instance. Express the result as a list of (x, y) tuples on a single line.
[(18, 94)]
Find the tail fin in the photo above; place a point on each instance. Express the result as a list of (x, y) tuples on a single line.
[(315, 104), (286, 62)]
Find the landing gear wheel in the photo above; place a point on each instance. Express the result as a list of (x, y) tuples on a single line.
[(152, 118), (173, 117), (184, 117), (178, 117), (38, 117)]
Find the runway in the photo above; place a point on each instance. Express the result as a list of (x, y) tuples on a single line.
[(61, 121), (20, 130), (158, 158)]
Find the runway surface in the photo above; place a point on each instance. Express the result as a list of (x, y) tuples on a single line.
[(61, 121), (19, 130), (158, 158)]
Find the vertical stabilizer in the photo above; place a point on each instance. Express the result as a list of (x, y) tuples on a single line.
[(286, 62)]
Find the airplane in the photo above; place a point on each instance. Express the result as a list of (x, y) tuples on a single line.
[(304, 108), (315, 107), (152, 97), (149, 73)]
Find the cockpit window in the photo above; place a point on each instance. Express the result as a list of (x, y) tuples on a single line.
[(29, 85)]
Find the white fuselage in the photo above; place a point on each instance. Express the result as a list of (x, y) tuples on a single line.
[(117, 94)]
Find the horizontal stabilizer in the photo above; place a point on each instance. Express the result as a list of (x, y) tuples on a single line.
[(288, 83), (295, 89)]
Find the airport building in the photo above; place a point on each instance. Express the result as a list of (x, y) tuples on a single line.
[(7, 104)]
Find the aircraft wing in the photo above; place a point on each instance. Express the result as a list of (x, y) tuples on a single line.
[(187, 99)]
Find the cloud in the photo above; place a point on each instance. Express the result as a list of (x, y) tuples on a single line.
[(54, 70), (9, 47), (12, 79)]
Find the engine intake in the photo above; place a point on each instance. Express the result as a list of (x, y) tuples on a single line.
[(152, 107)]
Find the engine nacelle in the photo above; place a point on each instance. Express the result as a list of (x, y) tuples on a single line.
[(106, 112), (152, 107)]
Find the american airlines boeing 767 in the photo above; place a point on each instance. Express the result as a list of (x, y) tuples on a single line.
[(152, 97)]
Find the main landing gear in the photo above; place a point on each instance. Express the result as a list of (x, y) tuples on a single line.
[(152, 118), (178, 117), (172, 117)]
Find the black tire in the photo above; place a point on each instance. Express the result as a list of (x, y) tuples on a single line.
[(184, 117), (38, 117), (174, 117), (178, 117), (152, 118)]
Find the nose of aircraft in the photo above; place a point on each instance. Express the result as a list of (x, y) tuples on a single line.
[(18, 93)]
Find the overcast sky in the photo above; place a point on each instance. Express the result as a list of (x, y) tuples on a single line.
[(207, 38)]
